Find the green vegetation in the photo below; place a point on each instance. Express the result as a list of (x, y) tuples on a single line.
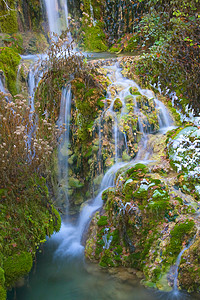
[(17, 266), (8, 17), (9, 61), (178, 235), (146, 228), (143, 224), (94, 38), (166, 33), (20, 16), (27, 215)]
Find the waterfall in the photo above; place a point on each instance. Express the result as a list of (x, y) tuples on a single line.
[(116, 139), (165, 121), (53, 16), (64, 120), (92, 14), (164, 118), (57, 14), (71, 235), (2, 88), (34, 76), (175, 287)]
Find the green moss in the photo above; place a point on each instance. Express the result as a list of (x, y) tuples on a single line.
[(108, 194), (181, 232), (75, 183), (128, 189), (2, 277), (149, 284), (132, 44), (117, 105), (55, 222), (106, 260), (17, 266), (137, 170), (116, 240), (9, 61), (129, 99), (102, 221), (156, 274), (134, 91), (114, 49), (8, 23), (159, 202), (94, 39), (141, 194), (98, 251), (2, 293)]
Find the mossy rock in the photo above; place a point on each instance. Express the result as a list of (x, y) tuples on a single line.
[(128, 189), (107, 194), (2, 277), (137, 170), (9, 61), (16, 267), (189, 271), (117, 105), (129, 99), (182, 231), (94, 39), (114, 49), (106, 260), (75, 183), (134, 91), (141, 194), (125, 156), (8, 20), (159, 202), (142, 101), (103, 221), (3, 293), (56, 220), (98, 179)]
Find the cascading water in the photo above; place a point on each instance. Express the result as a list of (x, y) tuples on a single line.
[(92, 14), (34, 76), (175, 291), (69, 241), (64, 121), (53, 16), (57, 13), (2, 88), (116, 139), (70, 236)]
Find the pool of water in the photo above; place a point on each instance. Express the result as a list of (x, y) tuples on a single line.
[(74, 279)]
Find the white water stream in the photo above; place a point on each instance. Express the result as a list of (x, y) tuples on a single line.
[(176, 292), (57, 13), (64, 121), (70, 235), (2, 88)]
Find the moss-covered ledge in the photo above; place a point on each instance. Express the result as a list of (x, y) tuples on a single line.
[(27, 220)]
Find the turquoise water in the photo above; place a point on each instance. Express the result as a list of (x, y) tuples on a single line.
[(65, 279)]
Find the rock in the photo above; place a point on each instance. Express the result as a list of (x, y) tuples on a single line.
[(139, 274)]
